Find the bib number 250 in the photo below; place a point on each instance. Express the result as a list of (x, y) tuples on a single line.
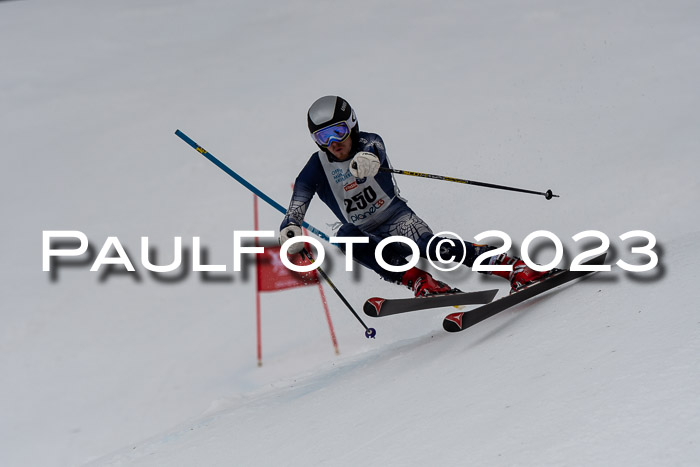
[(360, 200)]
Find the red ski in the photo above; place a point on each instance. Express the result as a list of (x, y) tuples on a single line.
[(377, 306), (460, 321)]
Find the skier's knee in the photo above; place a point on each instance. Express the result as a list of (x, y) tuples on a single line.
[(349, 230)]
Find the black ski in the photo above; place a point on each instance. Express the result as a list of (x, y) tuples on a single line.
[(376, 306), (460, 321)]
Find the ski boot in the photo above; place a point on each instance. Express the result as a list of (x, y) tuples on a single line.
[(521, 275), (423, 284)]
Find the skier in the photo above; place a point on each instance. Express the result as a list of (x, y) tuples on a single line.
[(345, 175)]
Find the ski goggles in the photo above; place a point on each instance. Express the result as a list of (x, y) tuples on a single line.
[(336, 132)]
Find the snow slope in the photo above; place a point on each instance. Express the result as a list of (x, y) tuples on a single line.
[(597, 101), (563, 381)]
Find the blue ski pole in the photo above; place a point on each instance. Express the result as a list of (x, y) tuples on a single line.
[(369, 332), (245, 182)]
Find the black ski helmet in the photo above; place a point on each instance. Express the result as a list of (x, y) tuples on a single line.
[(329, 110)]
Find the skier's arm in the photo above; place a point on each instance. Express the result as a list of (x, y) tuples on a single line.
[(291, 225), (305, 186), (301, 198)]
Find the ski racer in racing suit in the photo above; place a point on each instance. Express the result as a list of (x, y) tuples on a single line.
[(345, 174)]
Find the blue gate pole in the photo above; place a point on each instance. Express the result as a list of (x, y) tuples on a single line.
[(245, 182), (369, 332)]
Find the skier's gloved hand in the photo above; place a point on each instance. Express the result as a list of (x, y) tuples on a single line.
[(291, 231), (364, 164)]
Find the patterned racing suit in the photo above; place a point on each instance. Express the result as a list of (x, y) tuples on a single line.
[(369, 207)]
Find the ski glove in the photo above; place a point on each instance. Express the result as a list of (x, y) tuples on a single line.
[(291, 231), (364, 164)]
